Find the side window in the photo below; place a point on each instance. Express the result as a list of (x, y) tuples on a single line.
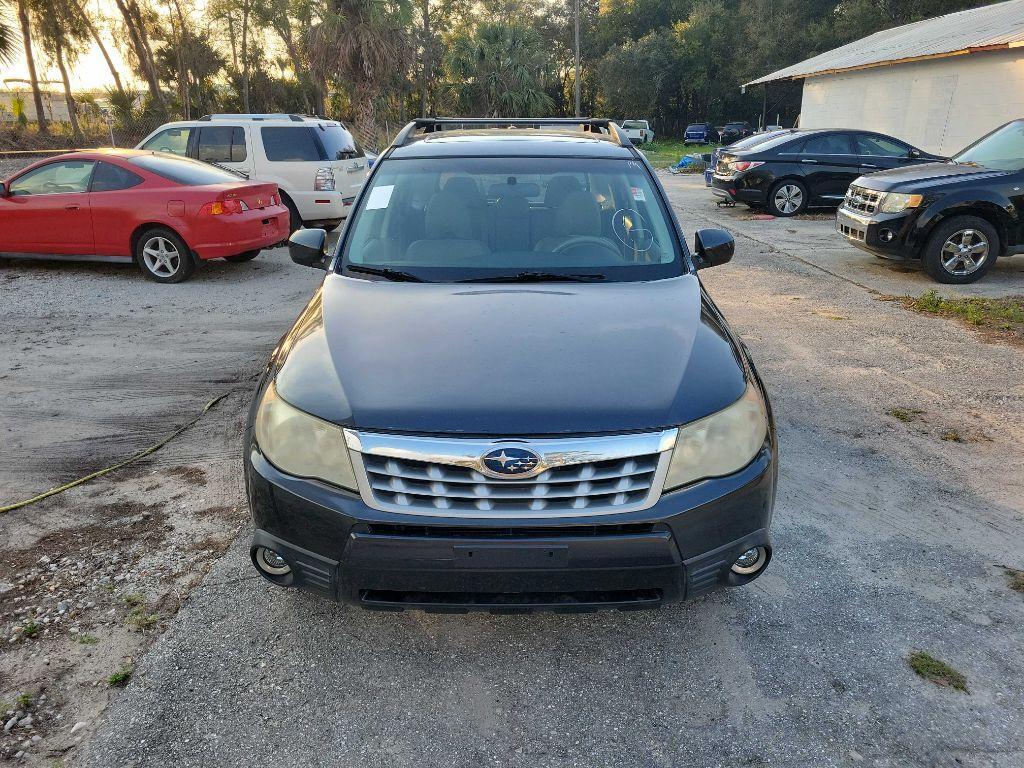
[(222, 144), (173, 140), (827, 144), (287, 144), (110, 178), (879, 146), (55, 179)]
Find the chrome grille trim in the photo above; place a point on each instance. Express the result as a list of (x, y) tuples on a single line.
[(441, 477), (862, 200)]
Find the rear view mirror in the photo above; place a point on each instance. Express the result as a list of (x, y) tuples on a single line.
[(308, 247), (713, 247)]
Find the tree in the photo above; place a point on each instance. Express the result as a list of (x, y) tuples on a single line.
[(26, 44), (498, 72), (138, 39), (7, 39), (62, 34), (94, 31)]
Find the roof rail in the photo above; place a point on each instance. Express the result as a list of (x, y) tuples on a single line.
[(268, 116), (426, 125)]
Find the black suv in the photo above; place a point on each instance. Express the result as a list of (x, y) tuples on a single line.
[(734, 131), (511, 390), (800, 169), (957, 217)]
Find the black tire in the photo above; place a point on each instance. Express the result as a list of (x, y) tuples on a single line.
[(784, 194), (238, 258), (163, 256), (953, 250), (294, 220)]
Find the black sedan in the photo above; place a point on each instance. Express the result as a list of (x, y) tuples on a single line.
[(803, 169)]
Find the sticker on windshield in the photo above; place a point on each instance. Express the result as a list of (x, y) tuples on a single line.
[(638, 194), (631, 230), (380, 197)]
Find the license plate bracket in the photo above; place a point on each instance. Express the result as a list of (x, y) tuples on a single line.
[(511, 556)]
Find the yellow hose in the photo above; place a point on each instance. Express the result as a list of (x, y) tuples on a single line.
[(106, 470)]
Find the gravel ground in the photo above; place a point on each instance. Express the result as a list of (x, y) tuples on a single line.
[(889, 538)]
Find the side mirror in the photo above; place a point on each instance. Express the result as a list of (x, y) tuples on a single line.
[(713, 247), (4, 192), (308, 247), (913, 154)]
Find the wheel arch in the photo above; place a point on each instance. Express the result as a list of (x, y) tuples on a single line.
[(992, 212), (141, 229)]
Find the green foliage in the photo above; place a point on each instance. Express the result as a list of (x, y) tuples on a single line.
[(120, 678), (937, 671)]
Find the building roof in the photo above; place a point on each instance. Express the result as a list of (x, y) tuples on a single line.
[(991, 27)]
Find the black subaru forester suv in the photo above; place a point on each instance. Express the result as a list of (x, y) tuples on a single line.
[(511, 390), (957, 217)]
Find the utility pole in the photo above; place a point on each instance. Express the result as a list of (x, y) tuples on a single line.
[(576, 78)]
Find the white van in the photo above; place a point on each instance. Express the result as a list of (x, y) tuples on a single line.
[(317, 163)]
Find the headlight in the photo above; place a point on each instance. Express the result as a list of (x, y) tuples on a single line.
[(302, 445), (894, 202), (721, 443)]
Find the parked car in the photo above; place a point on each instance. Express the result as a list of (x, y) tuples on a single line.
[(798, 169), (700, 133), (957, 217), (164, 212), (442, 429), (734, 131), (638, 131), (317, 164), (736, 146)]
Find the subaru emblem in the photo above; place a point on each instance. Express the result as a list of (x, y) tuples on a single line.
[(510, 462)]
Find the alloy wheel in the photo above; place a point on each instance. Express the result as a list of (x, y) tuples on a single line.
[(789, 198), (964, 252), (161, 256)]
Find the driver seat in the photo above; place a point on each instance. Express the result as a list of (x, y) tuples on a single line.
[(579, 215)]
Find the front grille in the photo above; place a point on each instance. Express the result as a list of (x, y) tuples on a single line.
[(852, 232), (447, 477), (861, 200), (603, 485), (503, 533)]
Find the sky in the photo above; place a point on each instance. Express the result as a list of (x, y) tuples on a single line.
[(88, 74)]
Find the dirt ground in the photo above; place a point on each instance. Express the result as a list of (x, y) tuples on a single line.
[(900, 511)]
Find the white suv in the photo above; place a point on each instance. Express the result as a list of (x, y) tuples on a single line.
[(317, 163)]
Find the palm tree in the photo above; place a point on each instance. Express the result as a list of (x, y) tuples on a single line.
[(63, 33), (364, 44), (26, 41), (6, 36)]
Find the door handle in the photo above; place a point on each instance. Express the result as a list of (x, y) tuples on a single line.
[(72, 207), (867, 165), (815, 162)]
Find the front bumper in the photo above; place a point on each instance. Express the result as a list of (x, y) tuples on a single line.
[(888, 235), (681, 547)]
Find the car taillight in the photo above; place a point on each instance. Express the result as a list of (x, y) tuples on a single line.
[(746, 165), (223, 208), (324, 181)]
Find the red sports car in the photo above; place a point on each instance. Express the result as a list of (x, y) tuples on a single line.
[(163, 211)]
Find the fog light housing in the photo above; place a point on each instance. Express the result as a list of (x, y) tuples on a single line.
[(751, 561), (886, 235), (270, 562)]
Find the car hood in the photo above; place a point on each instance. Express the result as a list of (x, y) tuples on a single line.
[(919, 178), (531, 359)]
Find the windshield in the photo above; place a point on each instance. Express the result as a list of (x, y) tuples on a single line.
[(339, 143), (696, 127), (1001, 150), (757, 138), (634, 124), (451, 219), (184, 170)]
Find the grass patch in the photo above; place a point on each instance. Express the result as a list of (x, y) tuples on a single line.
[(139, 620), (1003, 316), (936, 671), (952, 436), (906, 415), (134, 600), (24, 701), (120, 678), (31, 629), (665, 152), (1015, 579), (85, 639)]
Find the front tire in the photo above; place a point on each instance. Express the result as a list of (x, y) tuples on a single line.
[(163, 256), (788, 198), (238, 258), (961, 250)]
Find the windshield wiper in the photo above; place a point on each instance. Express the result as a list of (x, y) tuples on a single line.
[(396, 275), (537, 277), (241, 174)]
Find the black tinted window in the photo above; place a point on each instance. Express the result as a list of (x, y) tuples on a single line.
[(880, 146), (110, 178), (184, 171), (287, 144), (339, 143), (222, 144), (827, 144)]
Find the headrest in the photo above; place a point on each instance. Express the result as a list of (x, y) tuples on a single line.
[(466, 188), (447, 217), (578, 214), (559, 187)]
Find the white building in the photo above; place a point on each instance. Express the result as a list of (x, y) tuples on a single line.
[(938, 84)]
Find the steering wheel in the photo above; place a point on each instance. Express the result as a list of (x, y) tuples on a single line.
[(584, 240)]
